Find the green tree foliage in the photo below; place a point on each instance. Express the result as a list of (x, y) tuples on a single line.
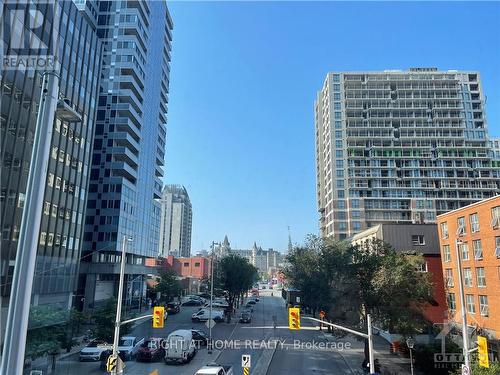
[(351, 281), (494, 368), (237, 276), (104, 319), (168, 286)]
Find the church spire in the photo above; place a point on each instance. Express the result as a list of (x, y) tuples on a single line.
[(290, 246)]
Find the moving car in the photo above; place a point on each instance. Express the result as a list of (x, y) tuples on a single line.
[(245, 317), (94, 350), (151, 350), (129, 346), (192, 302), (204, 314), (200, 338), (215, 369), (179, 346), (173, 307)]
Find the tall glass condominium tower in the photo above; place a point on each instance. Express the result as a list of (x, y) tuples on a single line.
[(398, 146), (129, 145)]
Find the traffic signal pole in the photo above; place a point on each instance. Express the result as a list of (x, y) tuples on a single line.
[(368, 336)]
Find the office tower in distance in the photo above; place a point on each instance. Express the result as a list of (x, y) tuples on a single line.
[(77, 50), (398, 146), (128, 149), (176, 222)]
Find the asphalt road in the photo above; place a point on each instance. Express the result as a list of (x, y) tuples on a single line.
[(273, 350)]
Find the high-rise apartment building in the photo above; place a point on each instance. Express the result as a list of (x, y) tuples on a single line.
[(128, 147), (78, 52), (176, 222), (400, 146)]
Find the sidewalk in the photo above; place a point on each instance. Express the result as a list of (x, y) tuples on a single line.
[(391, 364)]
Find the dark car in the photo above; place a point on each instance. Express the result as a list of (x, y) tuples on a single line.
[(173, 307), (192, 302), (104, 358), (256, 299), (151, 350), (251, 302), (200, 338), (245, 317), (249, 306)]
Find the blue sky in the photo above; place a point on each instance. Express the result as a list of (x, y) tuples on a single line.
[(243, 81)]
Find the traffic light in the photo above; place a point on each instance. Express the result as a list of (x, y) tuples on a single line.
[(482, 350), (158, 317), (294, 318)]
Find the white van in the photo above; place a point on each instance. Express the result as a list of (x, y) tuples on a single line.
[(204, 314), (179, 347)]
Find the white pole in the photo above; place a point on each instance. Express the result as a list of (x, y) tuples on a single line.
[(411, 362), (370, 344), (14, 345), (211, 297), (465, 334), (119, 302)]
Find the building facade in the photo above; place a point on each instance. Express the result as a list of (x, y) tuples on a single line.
[(77, 51), (414, 239), (473, 234), (176, 222), (398, 146), (128, 147)]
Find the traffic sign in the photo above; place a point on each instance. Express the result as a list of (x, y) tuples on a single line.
[(246, 361), (210, 323), (465, 370)]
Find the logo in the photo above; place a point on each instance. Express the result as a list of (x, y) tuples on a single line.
[(29, 34), (444, 359)]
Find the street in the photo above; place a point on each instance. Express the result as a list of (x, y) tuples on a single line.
[(273, 351)]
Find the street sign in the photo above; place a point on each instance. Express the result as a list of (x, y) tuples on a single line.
[(246, 361), (465, 370), (482, 350), (210, 323)]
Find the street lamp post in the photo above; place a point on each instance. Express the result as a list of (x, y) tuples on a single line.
[(465, 334), (120, 295), (410, 342), (211, 296), (14, 345)]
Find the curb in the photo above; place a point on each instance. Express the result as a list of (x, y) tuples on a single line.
[(353, 371)]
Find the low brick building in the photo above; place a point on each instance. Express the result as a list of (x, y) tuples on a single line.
[(473, 232)]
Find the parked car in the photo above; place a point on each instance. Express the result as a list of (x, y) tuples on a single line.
[(179, 347), (173, 307), (200, 338), (245, 317), (215, 369), (204, 314), (151, 350), (94, 350), (192, 302), (129, 345), (216, 305)]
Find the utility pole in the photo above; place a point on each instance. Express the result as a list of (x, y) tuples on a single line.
[(211, 296), (465, 334), (119, 302), (14, 345)]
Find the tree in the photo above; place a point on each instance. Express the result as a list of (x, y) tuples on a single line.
[(104, 318), (237, 275), (168, 286)]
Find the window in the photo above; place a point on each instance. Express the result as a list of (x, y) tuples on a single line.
[(474, 223), (422, 267), (481, 277), (340, 194), (495, 217), (43, 237), (446, 253), (452, 305), (497, 247), (336, 106), (54, 210), (197, 264), (471, 306), (461, 226), (50, 239), (448, 276), (46, 208), (418, 239), (444, 230), (339, 163), (483, 305), (336, 87), (356, 225), (186, 264), (336, 78), (478, 249), (339, 173), (50, 179), (468, 277), (465, 251)]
